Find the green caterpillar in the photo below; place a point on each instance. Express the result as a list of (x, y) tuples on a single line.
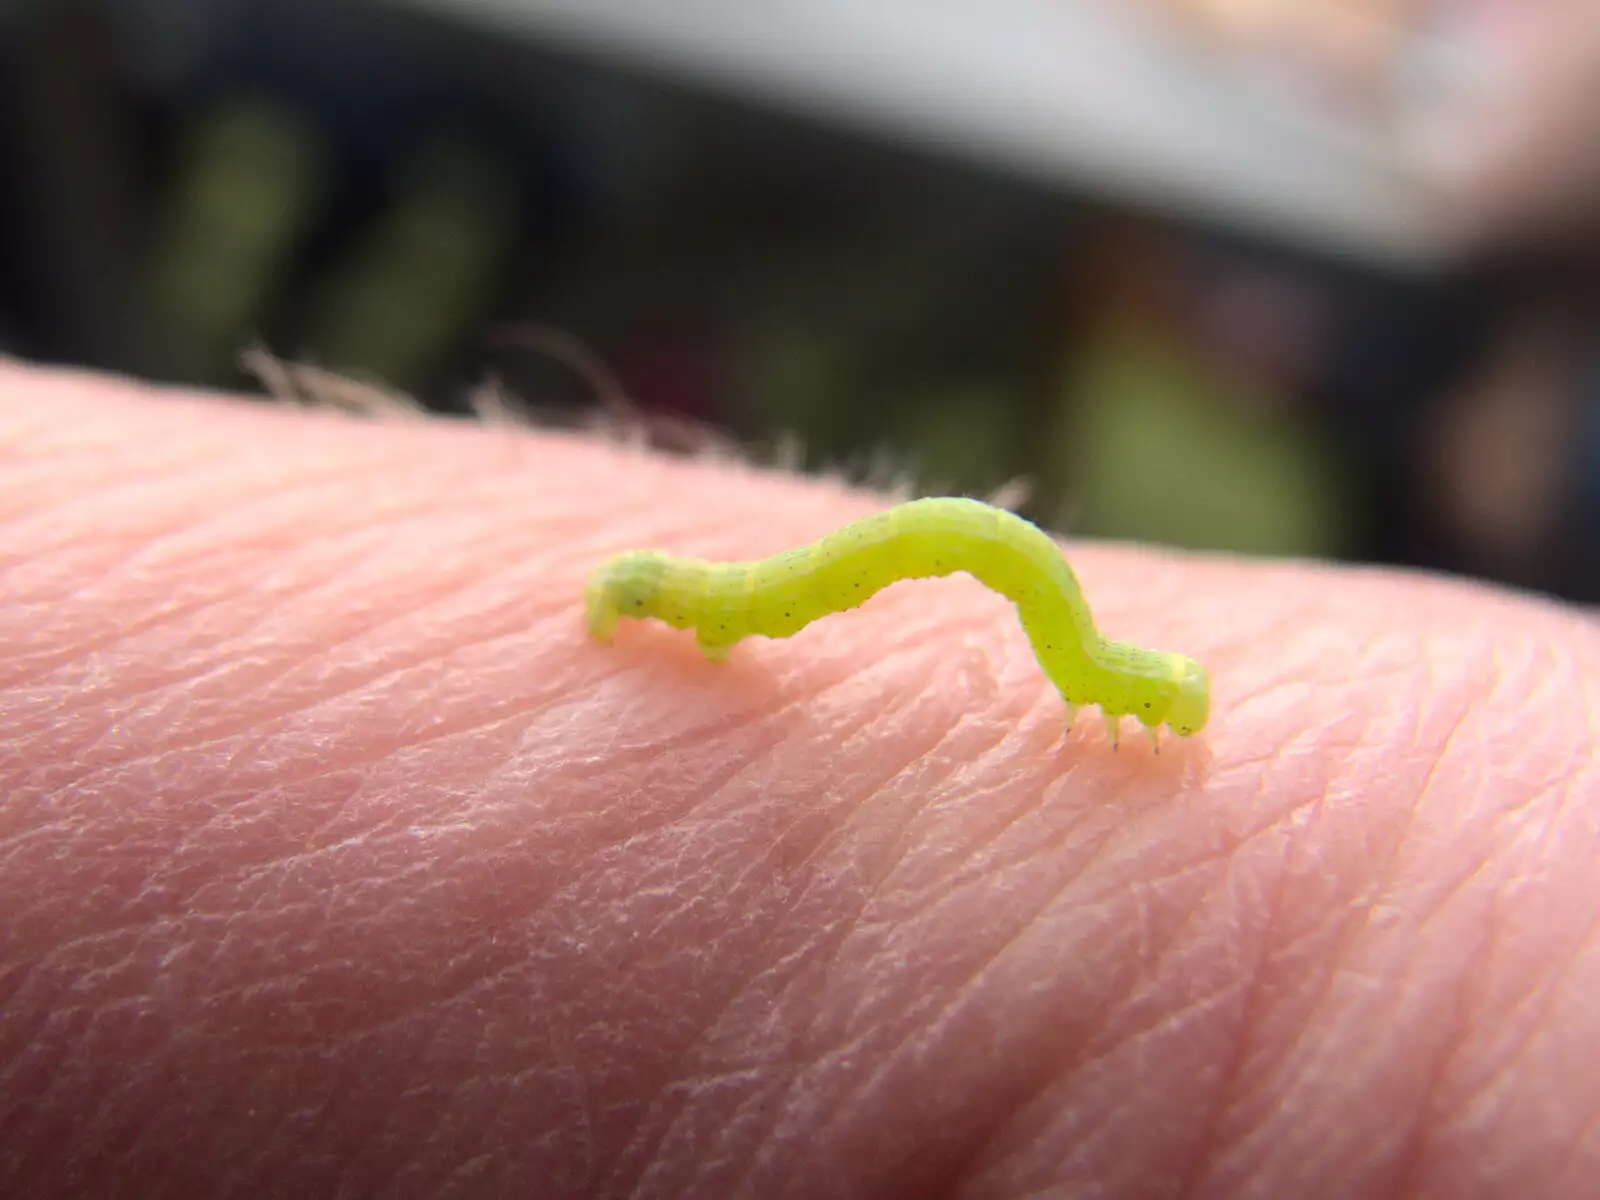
[(777, 597)]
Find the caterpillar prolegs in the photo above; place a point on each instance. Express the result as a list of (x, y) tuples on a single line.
[(776, 597)]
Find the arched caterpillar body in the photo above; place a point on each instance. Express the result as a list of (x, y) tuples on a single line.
[(777, 597)]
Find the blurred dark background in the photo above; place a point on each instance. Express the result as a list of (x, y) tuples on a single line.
[(1189, 276)]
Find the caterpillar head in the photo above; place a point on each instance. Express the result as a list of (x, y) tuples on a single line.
[(626, 586), (1191, 704)]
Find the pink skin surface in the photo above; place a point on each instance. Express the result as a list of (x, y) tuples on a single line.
[(334, 859)]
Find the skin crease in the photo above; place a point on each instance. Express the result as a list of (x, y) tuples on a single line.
[(335, 859)]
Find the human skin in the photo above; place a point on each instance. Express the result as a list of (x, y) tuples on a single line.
[(335, 860)]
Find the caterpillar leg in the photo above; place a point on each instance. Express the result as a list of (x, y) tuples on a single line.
[(1151, 732), (1072, 715), (600, 613), (603, 628), (1113, 728), (714, 651)]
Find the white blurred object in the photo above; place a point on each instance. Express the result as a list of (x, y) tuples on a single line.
[(1065, 90), (1491, 101)]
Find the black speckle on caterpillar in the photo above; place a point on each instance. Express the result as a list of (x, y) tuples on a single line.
[(776, 597)]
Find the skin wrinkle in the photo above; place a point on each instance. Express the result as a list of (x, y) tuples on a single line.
[(185, 673), (1386, 872), (903, 697), (1098, 1046), (95, 1109), (1476, 872), (190, 668), (567, 970), (818, 949), (1297, 831), (927, 1027), (87, 515), (910, 634), (896, 852), (344, 766), (841, 833), (1157, 955), (1539, 993), (1100, 1126), (1446, 1114), (717, 787), (959, 872), (835, 938), (1228, 1082), (1459, 881), (1540, 986), (1410, 1167), (960, 992), (1572, 1166), (1327, 982), (1527, 1158), (1542, 992), (298, 707), (62, 497), (1030, 804), (162, 616), (1018, 1100), (1579, 760)]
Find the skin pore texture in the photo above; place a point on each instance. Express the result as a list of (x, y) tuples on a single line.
[(336, 859)]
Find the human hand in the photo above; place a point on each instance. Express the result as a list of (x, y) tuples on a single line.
[(335, 860)]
